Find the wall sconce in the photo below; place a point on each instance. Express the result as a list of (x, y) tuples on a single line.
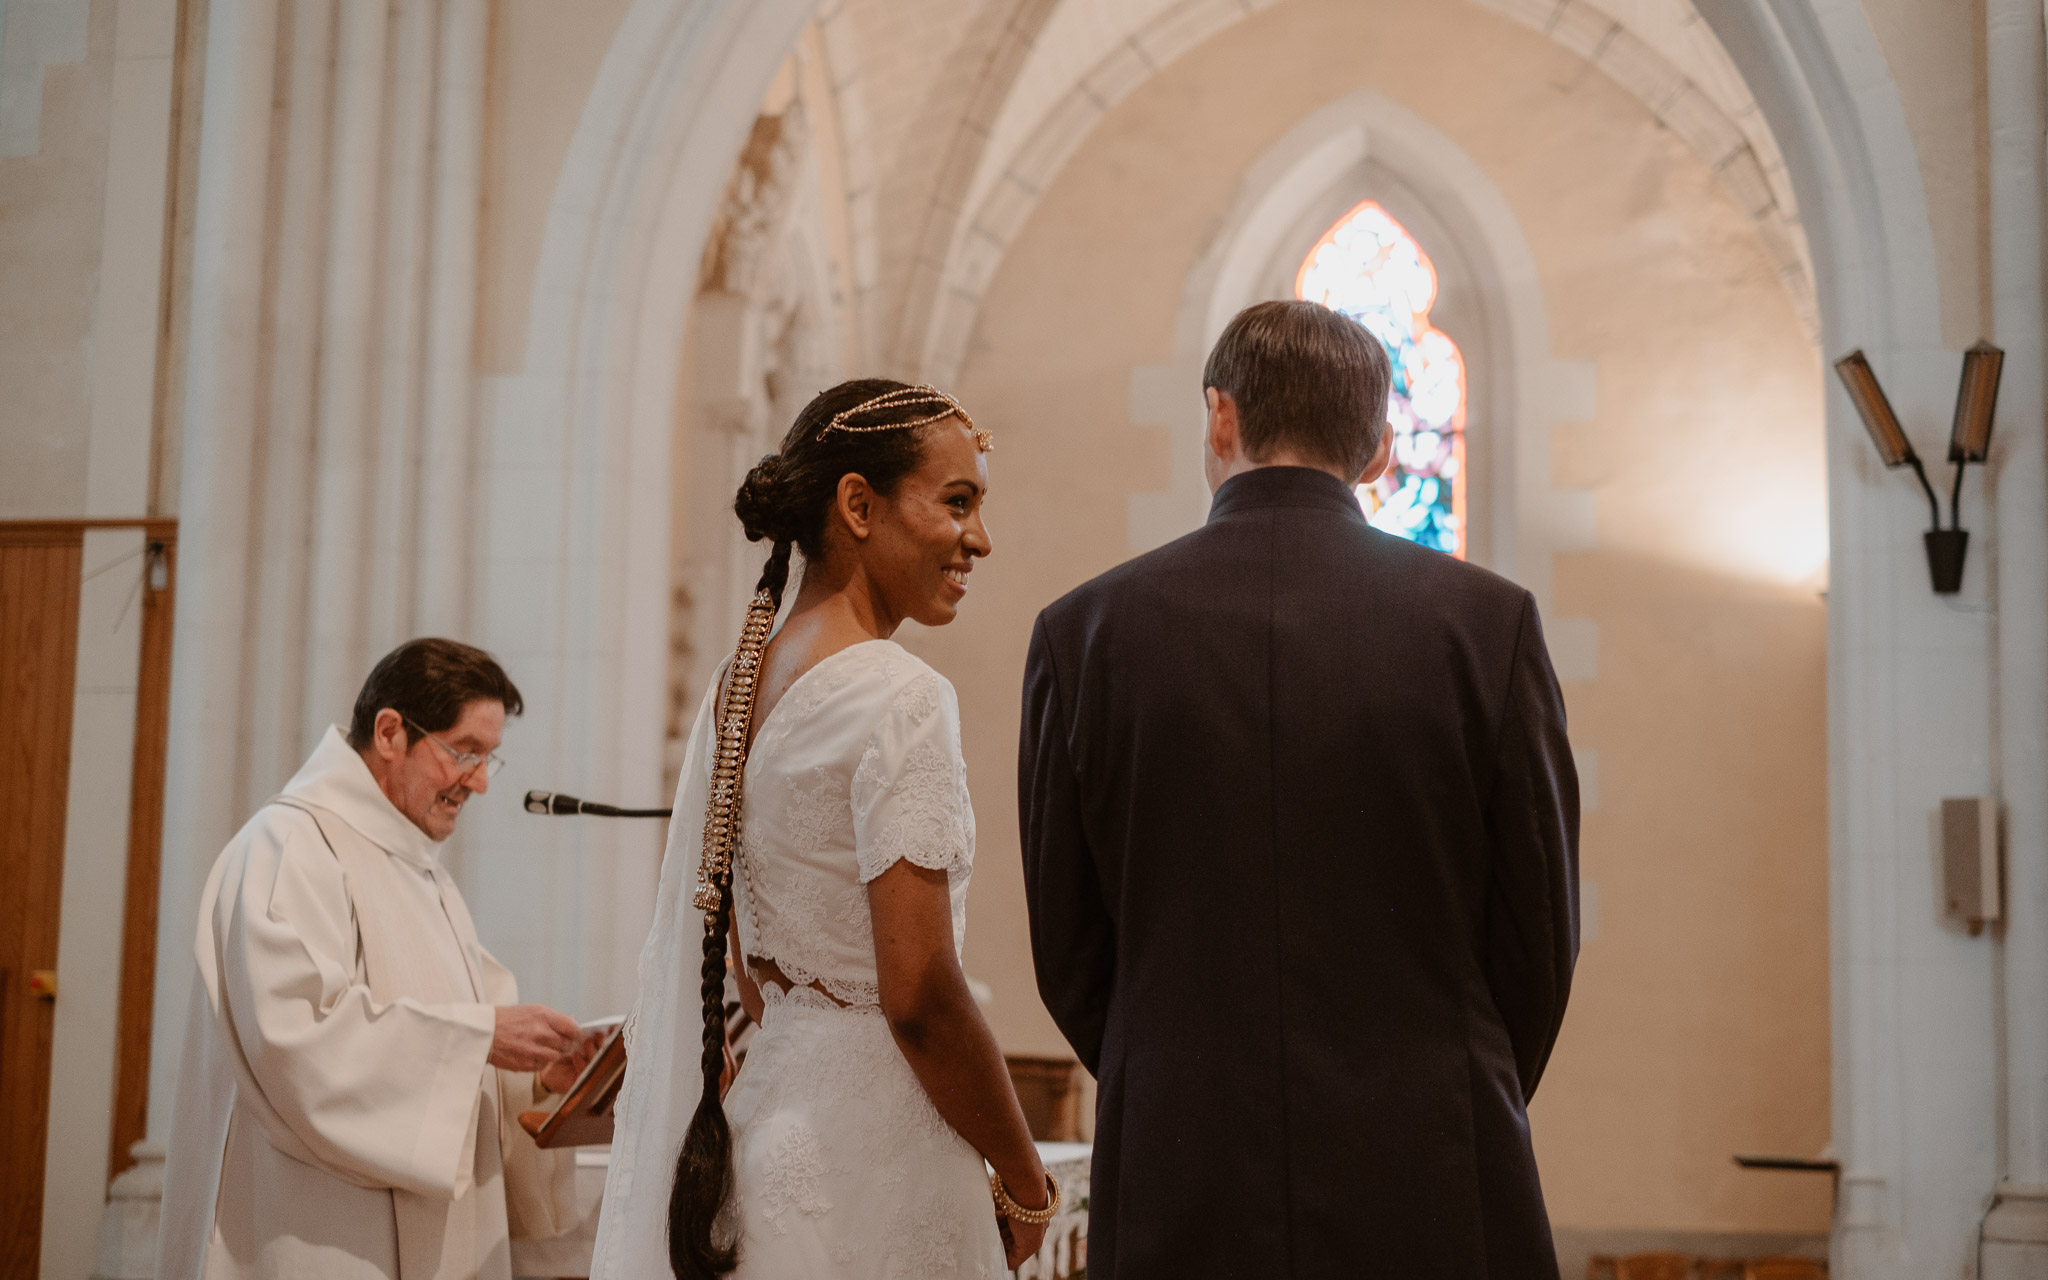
[(1969, 441)]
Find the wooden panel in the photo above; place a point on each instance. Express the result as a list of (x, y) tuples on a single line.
[(44, 533), (22, 532), (31, 533), (145, 839), (39, 582), (1049, 1090)]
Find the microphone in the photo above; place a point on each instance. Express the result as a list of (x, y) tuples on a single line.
[(556, 804)]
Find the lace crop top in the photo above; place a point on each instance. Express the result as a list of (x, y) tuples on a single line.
[(858, 765)]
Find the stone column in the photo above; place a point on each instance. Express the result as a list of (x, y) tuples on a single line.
[(2015, 1241), (334, 256), (281, 579), (342, 461), (393, 422), (221, 414), (447, 449)]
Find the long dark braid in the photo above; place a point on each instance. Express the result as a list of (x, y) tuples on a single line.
[(783, 501), (704, 1168)]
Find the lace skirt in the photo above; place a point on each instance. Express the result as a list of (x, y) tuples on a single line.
[(844, 1168)]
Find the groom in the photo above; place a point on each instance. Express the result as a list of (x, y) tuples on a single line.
[(1300, 841)]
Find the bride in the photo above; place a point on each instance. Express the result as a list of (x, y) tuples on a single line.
[(824, 823)]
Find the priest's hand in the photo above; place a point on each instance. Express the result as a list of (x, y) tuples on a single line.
[(531, 1037), (558, 1075)]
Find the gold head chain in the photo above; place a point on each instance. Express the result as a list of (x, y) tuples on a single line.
[(905, 397), (728, 770)]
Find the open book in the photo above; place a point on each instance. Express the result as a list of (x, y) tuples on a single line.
[(583, 1117)]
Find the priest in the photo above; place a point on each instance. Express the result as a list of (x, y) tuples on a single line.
[(355, 1062)]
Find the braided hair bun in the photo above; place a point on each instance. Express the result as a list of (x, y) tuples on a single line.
[(763, 502)]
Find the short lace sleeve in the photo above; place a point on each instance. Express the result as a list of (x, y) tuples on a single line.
[(910, 788)]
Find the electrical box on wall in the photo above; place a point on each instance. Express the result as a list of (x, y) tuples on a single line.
[(1970, 870)]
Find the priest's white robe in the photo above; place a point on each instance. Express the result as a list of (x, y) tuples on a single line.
[(336, 1118)]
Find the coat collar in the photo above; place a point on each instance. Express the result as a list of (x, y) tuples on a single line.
[(335, 778), (1265, 487)]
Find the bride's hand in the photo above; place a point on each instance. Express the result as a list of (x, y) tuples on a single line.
[(1020, 1240)]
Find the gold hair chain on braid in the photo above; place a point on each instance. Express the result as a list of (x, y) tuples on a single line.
[(905, 397), (729, 764)]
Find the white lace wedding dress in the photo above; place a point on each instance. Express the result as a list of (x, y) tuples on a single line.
[(843, 1167)]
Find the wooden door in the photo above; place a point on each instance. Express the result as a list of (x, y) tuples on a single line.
[(39, 581)]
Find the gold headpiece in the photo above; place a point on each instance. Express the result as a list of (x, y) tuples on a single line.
[(903, 397)]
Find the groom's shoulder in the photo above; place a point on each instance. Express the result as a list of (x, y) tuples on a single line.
[(1434, 574), (1377, 570), (1139, 576)]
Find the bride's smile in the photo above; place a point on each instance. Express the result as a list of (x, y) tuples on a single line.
[(922, 541)]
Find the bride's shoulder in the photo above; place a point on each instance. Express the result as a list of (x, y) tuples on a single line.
[(889, 678), (886, 667), (859, 684)]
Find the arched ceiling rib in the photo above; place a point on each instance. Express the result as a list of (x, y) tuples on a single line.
[(1661, 51), (1073, 44), (924, 78)]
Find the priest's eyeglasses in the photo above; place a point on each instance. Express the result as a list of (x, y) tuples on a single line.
[(465, 761)]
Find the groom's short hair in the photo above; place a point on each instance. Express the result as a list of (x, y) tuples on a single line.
[(1305, 378)]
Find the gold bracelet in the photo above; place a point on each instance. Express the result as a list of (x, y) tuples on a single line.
[(1018, 1213)]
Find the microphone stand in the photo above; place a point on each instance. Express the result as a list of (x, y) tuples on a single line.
[(556, 804)]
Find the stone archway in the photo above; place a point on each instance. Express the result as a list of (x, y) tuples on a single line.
[(578, 463), (1919, 1061)]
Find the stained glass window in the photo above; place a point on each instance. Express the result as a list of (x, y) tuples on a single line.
[(1369, 267)]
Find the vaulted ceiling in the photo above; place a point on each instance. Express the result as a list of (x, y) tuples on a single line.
[(957, 114)]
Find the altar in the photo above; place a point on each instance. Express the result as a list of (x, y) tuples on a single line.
[(1064, 1254)]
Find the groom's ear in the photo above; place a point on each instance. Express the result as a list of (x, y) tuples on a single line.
[(1376, 466), (1226, 440)]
